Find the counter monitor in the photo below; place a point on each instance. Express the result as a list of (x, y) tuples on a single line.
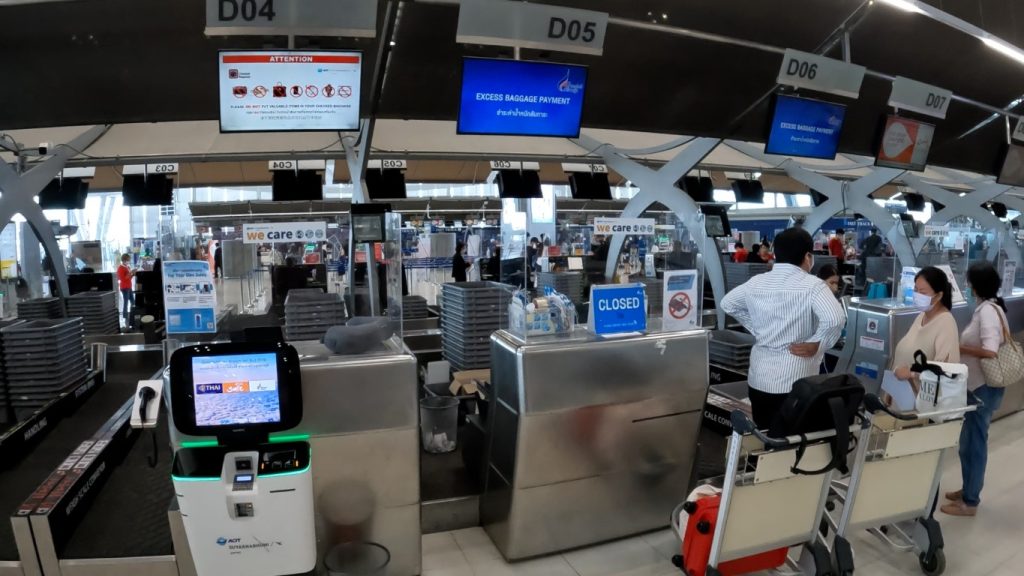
[(519, 98), (805, 127), (904, 144)]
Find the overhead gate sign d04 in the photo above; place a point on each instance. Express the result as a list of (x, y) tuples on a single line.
[(350, 18)]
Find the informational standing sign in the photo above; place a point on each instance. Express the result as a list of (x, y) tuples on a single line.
[(1009, 278), (349, 18), (272, 232), (958, 296), (190, 300), (907, 284), (650, 269), (804, 70), (637, 226), (528, 25), (617, 309), (267, 91), (680, 309), (1018, 131)]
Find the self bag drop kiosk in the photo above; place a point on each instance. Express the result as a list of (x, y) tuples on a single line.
[(247, 502)]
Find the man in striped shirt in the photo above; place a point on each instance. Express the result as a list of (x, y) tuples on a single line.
[(794, 319)]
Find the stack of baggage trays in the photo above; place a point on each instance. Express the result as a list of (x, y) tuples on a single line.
[(414, 307), (737, 273), (655, 291), (470, 313), (730, 349), (41, 309), (309, 312), (568, 283), (42, 359), (98, 311), (6, 409)]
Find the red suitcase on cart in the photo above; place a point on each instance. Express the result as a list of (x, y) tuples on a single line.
[(700, 531)]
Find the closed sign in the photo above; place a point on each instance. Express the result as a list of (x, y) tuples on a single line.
[(617, 309)]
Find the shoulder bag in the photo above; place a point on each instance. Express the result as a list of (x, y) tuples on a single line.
[(1008, 366)]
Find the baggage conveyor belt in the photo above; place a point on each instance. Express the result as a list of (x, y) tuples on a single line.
[(128, 519), (17, 482)]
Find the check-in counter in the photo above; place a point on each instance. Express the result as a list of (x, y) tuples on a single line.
[(874, 327), (590, 439), (362, 418)]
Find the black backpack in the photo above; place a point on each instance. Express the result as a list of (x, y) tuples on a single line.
[(816, 403)]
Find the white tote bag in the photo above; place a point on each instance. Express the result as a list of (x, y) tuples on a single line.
[(943, 387)]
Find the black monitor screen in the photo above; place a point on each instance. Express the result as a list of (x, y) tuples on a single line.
[(64, 193), (716, 221), (151, 190), (748, 191), (387, 184), (590, 186), (915, 202), (909, 225), (700, 189), (519, 184)]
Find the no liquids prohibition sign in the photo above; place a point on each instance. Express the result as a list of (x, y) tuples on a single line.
[(679, 306)]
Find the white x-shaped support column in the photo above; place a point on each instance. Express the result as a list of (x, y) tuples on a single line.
[(20, 190), (854, 195), (968, 205), (658, 186)]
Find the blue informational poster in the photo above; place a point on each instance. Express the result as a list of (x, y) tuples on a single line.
[(512, 97), (618, 309), (190, 300), (803, 127)]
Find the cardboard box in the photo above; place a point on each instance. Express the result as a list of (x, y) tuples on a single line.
[(467, 382)]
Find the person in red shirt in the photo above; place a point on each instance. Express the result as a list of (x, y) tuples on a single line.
[(740, 255), (835, 246), (124, 282)]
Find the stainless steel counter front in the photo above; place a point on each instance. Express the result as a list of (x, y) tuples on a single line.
[(874, 327), (590, 439), (362, 417)]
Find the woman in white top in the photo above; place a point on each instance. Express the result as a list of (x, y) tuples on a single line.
[(981, 339)]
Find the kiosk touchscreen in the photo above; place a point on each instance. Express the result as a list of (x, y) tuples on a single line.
[(247, 501)]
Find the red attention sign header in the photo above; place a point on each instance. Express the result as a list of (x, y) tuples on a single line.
[(290, 59)]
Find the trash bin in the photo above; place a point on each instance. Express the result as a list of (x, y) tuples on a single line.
[(439, 423), (358, 559)]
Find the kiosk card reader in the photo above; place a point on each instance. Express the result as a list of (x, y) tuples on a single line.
[(246, 502)]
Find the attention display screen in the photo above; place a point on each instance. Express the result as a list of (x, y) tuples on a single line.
[(274, 91), (806, 128), (236, 389), (905, 144), (512, 97)]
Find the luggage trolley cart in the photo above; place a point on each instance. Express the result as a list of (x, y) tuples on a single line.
[(893, 484), (768, 509)]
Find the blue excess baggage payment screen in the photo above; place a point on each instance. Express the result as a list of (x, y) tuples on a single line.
[(510, 97), (236, 389), (803, 127)]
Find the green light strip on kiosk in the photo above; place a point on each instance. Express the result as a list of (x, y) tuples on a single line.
[(258, 475)]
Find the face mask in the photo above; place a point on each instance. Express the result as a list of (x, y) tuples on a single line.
[(923, 302)]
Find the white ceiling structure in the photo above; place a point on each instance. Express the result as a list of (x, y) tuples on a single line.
[(423, 139)]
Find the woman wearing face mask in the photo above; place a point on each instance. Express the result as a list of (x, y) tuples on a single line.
[(981, 339), (934, 332), (830, 276)]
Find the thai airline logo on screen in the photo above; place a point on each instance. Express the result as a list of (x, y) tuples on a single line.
[(566, 84)]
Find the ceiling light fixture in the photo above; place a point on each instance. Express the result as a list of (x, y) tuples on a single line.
[(905, 5), (1004, 48)]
